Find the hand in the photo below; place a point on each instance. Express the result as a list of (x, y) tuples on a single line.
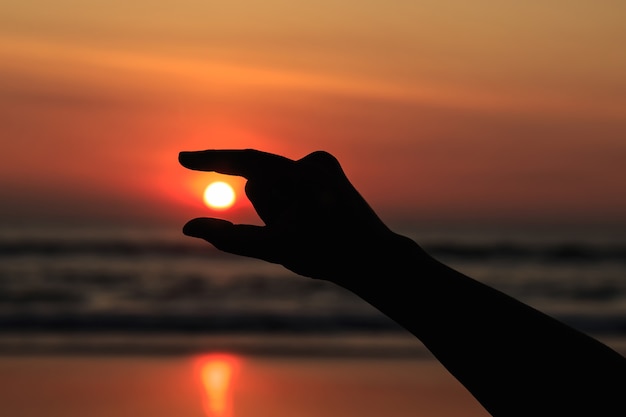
[(316, 223)]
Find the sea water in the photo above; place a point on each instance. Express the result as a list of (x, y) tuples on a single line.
[(63, 287)]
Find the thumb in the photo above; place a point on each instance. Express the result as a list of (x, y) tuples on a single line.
[(239, 239)]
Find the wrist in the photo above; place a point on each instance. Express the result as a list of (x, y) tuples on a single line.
[(393, 259)]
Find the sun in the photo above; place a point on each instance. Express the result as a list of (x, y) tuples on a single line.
[(219, 195)]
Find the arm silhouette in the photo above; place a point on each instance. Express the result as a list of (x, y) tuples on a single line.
[(515, 360)]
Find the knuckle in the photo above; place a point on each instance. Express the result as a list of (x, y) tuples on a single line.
[(321, 159)]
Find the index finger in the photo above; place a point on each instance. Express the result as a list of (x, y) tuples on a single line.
[(248, 163)]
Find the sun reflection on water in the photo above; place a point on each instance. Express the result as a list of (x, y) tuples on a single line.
[(217, 372)]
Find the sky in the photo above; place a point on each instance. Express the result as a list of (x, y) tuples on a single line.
[(446, 112)]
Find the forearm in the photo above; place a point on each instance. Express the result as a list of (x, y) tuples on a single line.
[(514, 359)]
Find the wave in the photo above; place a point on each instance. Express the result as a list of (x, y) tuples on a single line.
[(536, 252), (559, 252), (100, 248), (265, 323)]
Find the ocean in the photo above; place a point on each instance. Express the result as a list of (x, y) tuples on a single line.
[(151, 290)]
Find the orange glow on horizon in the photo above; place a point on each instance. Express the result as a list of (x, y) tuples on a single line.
[(217, 373)]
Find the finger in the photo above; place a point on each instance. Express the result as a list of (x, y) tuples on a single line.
[(240, 239), (248, 163)]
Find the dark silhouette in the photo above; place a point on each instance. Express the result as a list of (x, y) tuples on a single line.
[(515, 360)]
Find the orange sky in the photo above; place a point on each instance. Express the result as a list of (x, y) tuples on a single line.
[(448, 111)]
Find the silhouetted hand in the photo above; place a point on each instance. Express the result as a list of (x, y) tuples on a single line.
[(316, 223), (514, 359)]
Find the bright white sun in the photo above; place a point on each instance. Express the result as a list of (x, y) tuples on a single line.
[(219, 195)]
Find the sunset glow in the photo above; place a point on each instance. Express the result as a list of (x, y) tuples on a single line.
[(443, 111), (217, 373)]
